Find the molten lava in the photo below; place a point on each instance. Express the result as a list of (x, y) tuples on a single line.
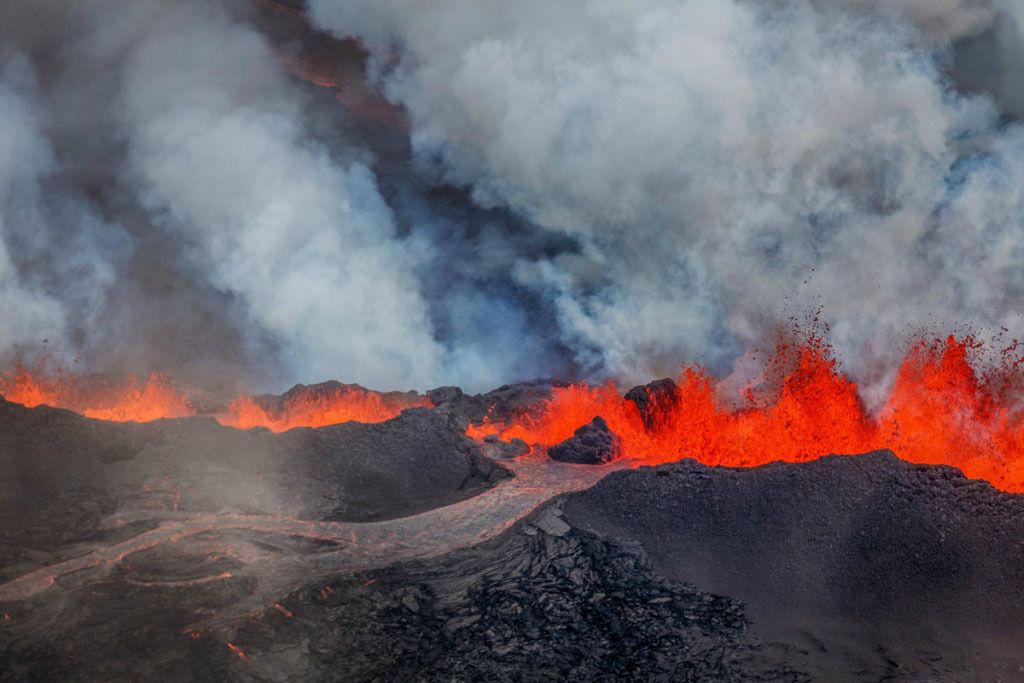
[(939, 411), (319, 406), (314, 406), (120, 402), (154, 400)]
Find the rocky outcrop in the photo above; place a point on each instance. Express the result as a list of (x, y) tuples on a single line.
[(500, 405), (653, 400), (592, 444), (185, 550)]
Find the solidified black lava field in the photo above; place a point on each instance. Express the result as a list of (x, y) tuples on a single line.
[(185, 550)]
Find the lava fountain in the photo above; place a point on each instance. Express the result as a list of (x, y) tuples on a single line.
[(157, 397), (940, 410), (125, 401)]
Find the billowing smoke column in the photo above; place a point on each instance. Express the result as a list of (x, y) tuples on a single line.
[(714, 158), (210, 149), (217, 145), (584, 188)]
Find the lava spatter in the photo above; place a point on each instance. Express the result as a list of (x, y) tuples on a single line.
[(940, 410), (130, 400)]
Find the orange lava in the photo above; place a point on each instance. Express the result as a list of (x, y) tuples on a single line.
[(238, 651), (319, 406), (30, 392), (123, 402), (154, 400), (939, 411)]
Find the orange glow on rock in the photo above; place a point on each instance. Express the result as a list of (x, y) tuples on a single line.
[(30, 392), (318, 406), (154, 400), (939, 411), (238, 651)]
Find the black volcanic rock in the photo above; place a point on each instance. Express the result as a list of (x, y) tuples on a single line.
[(653, 399), (503, 404), (592, 444), (845, 568), (443, 395), (72, 486), (418, 460), (871, 566), (544, 601)]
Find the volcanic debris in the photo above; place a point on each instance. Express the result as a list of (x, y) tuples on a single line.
[(544, 601), (592, 444)]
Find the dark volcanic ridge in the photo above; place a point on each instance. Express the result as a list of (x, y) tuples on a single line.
[(846, 568), (545, 601), (869, 566)]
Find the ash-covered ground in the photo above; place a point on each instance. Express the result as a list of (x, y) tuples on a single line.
[(186, 550)]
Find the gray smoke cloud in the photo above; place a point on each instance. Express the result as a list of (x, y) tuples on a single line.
[(206, 151), (217, 142), (937, 19), (584, 188), (24, 157), (716, 159), (57, 254), (177, 201)]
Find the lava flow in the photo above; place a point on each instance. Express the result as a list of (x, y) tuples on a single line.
[(939, 411)]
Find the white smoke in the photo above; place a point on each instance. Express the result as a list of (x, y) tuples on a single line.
[(593, 187), (256, 242), (44, 229), (305, 240), (718, 158), (29, 314), (939, 19)]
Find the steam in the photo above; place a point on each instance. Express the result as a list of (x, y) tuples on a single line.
[(213, 153), (50, 259), (306, 242), (716, 159), (586, 188), (23, 156)]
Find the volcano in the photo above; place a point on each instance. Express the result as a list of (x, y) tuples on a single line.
[(764, 260)]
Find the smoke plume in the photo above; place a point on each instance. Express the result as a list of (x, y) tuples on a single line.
[(715, 160), (580, 188)]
